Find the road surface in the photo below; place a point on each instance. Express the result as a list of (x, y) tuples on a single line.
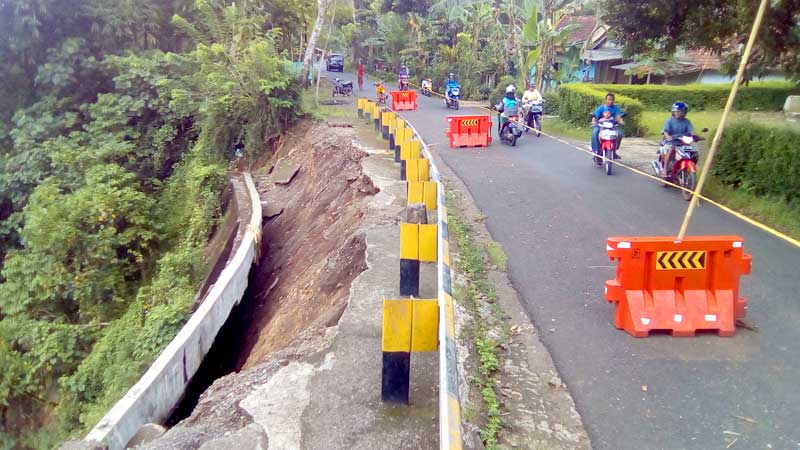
[(552, 209)]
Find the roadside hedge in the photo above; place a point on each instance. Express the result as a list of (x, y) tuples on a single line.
[(551, 102), (760, 159), (578, 100), (763, 95)]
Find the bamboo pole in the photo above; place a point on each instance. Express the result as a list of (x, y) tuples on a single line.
[(728, 107)]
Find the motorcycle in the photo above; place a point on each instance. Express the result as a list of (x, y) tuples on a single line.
[(341, 87), (426, 88), (402, 82), (512, 129), (451, 99), (532, 112), (609, 140), (682, 166), (380, 93)]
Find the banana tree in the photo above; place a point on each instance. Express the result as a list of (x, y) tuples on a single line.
[(541, 31)]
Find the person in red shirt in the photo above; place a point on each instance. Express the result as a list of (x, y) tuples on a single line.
[(360, 75)]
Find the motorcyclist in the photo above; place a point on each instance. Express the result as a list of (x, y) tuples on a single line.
[(449, 84), (380, 91), (402, 76), (675, 127), (529, 96), (616, 112), (507, 107), (427, 84)]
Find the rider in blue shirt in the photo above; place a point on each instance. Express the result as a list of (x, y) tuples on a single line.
[(450, 84), (675, 127), (616, 113)]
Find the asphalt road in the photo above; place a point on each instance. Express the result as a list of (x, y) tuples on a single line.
[(552, 209)]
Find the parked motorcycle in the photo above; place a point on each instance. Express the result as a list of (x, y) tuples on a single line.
[(341, 87), (609, 139), (532, 112), (452, 97), (682, 166), (402, 82)]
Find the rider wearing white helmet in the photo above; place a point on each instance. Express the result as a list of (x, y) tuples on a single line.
[(508, 105)]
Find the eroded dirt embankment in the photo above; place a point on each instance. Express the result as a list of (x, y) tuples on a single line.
[(315, 198)]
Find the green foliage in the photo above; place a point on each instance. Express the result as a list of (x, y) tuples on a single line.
[(762, 160), (81, 247), (766, 95), (500, 90), (110, 177), (577, 101), (552, 99), (664, 25), (472, 263)]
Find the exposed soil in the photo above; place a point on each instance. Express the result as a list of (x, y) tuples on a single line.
[(311, 250)]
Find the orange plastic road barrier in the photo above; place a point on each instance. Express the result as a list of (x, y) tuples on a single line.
[(677, 286), (404, 100), (469, 131)]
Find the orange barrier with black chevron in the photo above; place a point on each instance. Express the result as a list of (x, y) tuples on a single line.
[(404, 100), (469, 131), (677, 286)]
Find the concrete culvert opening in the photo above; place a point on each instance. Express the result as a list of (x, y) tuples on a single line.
[(315, 200)]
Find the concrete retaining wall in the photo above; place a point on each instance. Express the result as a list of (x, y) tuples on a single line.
[(154, 396)]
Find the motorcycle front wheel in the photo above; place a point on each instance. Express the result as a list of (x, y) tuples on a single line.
[(609, 156), (456, 105), (687, 179)]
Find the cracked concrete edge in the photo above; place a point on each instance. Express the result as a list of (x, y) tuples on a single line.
[(573, 435)]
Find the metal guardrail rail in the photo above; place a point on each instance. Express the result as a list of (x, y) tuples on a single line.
[(449, 400)]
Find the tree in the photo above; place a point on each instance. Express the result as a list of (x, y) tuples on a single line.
[(659, 27), (322, 6), (542, 31)]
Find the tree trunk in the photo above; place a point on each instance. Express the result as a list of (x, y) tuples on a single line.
[(324, 52), (322, 6)]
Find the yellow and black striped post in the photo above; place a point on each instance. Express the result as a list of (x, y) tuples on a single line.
[(422, 192), (417, 244), (409, 325), (361, 102), (415, 170), (396, 136), (404, 135), (386, 118), (376, 117), (368, 109)]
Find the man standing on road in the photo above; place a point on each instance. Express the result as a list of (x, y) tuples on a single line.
[(616, 113), (360, 75)]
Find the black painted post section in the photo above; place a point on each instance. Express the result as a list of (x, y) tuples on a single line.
[(395, 376)]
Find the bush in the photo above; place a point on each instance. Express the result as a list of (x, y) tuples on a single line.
[(499, 91), (551, 102), (577, 101), (766, 95), (760, 159)]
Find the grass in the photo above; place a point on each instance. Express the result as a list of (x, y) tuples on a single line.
[(771, 211), (473, 264), (496, 255), (558, 127), (653, 121), (324, 112)]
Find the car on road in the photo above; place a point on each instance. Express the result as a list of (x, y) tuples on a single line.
[(334, 62)]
